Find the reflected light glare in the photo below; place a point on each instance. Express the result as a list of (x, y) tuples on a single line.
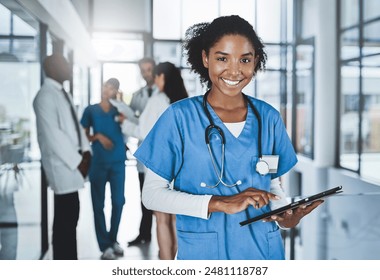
[(118, 49), (102, 48)]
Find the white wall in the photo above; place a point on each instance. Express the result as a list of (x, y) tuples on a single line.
[(84, 10)]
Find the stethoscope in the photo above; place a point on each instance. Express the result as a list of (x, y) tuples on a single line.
[(262, 166)]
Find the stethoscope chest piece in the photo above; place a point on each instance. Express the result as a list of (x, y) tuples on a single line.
[(262, 167)]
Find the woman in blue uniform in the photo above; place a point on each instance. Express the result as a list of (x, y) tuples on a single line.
[(214, 160)]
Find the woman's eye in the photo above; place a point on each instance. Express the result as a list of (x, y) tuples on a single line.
[(245, 60), (221, 59)]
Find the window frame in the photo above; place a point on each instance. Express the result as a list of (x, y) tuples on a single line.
[(362, 23)]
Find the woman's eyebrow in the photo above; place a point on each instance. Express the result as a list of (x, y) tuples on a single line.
[(224, 53)]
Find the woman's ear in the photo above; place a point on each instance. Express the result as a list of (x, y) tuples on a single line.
[(204, 59)]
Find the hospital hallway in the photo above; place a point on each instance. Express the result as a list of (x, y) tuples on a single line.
[(129, 226), (320, 81)]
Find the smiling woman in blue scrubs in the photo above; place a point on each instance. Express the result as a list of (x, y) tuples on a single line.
[(215, 179)]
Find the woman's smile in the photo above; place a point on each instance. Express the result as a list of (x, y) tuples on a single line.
[(231, 82)]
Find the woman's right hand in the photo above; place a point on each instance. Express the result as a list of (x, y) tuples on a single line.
[(239, 202)]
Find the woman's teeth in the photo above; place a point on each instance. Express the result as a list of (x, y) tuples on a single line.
[(231, 83)]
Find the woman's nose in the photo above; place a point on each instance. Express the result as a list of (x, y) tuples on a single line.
[(234, 67)]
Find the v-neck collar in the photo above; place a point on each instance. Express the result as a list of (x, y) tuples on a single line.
[(104, 112), (220, 123), (249, 133)]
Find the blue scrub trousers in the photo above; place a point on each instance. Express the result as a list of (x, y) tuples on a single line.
[(100, 174)]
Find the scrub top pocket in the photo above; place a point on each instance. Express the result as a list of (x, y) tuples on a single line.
[(197, 245), (275, 244)]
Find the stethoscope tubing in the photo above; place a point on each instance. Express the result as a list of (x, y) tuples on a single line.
[(211, 126)]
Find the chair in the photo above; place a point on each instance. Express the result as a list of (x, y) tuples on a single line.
[(10, 158)]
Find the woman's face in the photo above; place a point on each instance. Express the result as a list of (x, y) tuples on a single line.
[(231, 64), (159, 80)]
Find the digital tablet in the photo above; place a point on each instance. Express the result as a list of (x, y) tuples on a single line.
[(305, 201)]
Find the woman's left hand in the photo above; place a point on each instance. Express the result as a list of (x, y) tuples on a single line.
[(291, 218)]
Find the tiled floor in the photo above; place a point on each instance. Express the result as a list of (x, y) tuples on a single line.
[(87, 245)]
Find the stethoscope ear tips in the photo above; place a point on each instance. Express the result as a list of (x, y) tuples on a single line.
[(238, 183), (203, 185)]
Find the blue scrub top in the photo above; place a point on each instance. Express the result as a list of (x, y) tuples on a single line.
[(176, 150), (104, 122)]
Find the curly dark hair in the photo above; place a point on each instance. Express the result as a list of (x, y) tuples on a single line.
[(174, 86), (203, 36)]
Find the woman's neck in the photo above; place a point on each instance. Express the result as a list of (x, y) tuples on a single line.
[(230, 109)]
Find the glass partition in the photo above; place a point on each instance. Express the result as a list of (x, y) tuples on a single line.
[(20, 182), (349, 13), (268, 88), (305, 100), (350, 44), (370, 126), (371, 9), (349, 120)]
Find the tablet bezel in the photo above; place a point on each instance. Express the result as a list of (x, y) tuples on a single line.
[(295, 204)]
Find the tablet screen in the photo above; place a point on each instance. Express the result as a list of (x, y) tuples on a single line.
[(306, 200)]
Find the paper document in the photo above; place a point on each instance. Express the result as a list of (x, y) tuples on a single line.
[(123, 109)]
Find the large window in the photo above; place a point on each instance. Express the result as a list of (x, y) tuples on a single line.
[(118, 54), (20, 182), (359, 145), (128, 75), (304, 98)]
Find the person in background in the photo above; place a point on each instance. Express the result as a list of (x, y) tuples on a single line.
[(101, 123), (119, 99), (211, 151), (119, 96), (65, 153), (138, 103), (171, 88)]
